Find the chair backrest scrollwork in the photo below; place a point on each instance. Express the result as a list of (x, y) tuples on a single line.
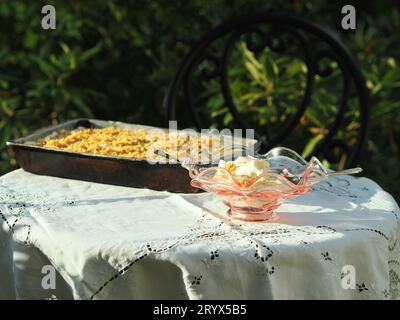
[(253, 29)]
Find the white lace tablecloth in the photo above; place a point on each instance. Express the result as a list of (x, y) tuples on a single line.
[(108, 242)]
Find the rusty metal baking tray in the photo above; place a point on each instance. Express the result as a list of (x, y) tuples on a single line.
[(97, 168)]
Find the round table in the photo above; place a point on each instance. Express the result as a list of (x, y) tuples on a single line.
[(109, 242)]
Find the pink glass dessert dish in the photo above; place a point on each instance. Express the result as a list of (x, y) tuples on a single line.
[(254, 187)]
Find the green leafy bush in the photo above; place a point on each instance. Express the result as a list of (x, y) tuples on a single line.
[(114, 59)]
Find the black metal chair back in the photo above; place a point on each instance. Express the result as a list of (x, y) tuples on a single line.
[(252, 26)]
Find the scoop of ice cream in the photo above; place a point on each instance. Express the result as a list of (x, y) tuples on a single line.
[(250, 167), (245, 168)]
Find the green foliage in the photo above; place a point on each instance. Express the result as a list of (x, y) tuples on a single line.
[(114, 59)]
